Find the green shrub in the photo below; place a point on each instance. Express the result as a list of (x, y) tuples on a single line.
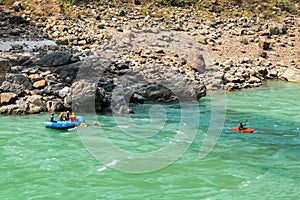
[(176, 2), (284, 4), (68, 2)]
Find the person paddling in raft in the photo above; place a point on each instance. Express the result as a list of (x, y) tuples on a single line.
[(67, 116), (61, 117), (73, 117), (52, 117)]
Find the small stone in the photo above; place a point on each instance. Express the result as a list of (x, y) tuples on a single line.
[(18, 6), (62, 41), (39, 84), (290, 43), (82, 42), (136, 2), (264, 44), (264, 54), (34, 77)]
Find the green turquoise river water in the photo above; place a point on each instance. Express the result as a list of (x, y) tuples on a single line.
[(40, 163)]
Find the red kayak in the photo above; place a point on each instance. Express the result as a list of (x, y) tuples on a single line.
[(245, 130)]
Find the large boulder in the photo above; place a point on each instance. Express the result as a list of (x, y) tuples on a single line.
[(18, 20), (33, 109), (16, 83), (292, 75), (196, 61), (10, 87), (19, 108), (19, 79), (57, 58), (36, 100), (8, 97), (68, 73), (178, 57), (36, 104), (120, 99), (87, 97), (155, 92), (21, 60)]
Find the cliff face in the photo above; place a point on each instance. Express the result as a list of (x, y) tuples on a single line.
[(108, 55)]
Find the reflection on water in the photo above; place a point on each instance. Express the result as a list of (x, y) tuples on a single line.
[(28, 44)]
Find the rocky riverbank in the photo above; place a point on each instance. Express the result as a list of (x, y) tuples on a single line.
[(108, 56)]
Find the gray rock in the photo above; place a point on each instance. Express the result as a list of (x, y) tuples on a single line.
[(34, 99), (196, 61), (277, 29), (83, 96), (11, 87), (5, 66), (68, 73), (36, 104), (19, 79), (63, 92), (16, 32), (22, 60), (63, 40), (57, 58), (19, 108), (274, 30), (55, 105), (18, 20), (54, 89), (34, 109), (51, 79), (263, 71), (120, 100)]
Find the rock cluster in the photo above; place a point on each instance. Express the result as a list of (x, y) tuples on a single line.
[(16, 27), (109, 56), (111, 79), (31, 88)]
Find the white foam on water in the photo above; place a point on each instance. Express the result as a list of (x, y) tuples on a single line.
[(112, 163)]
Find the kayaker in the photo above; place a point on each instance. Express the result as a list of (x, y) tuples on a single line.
[(73, 117), (52, 117), (242, 126)]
